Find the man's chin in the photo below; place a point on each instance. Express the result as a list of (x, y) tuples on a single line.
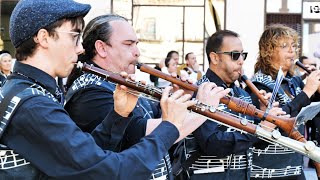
[(236, 77), (66, 74), (131, 69)]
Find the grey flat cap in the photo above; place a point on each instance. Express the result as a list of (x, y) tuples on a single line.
[(29, 16)]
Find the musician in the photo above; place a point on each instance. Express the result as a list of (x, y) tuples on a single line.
[(162, 66), (171, 67), (45, 143), (111, 44), (278, 47), (223, 153), (190, 68), (171, 54), (309, 63)]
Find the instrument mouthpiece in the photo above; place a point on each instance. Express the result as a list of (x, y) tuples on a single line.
[(79, 65), (298, 63)]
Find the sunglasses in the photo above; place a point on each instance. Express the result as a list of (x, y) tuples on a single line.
[(235, 55)]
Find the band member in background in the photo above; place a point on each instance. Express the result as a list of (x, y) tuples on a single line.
[(111, 44), (171, 66), (191, 68), (309, 63), (162, 66), (278, 47)]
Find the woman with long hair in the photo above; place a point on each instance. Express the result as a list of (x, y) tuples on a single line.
[(278, 48)]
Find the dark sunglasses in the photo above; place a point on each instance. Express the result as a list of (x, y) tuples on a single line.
[(235, 55)]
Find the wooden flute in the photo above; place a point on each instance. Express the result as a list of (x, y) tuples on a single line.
[(306, 148)]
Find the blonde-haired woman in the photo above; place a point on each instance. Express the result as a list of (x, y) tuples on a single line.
[(278, 48)]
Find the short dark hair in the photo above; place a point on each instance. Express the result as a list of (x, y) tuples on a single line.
[(187, 55), (301, 58), (172, 52), (98, 28), (27, 48), (214, 42)]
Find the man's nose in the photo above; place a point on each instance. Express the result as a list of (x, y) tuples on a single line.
[(79, 49), (240, 60), (136, 52)]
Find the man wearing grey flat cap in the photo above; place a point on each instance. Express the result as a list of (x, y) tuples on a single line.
[(39, 139)]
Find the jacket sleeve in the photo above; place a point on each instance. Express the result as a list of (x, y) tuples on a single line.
[(89, 107), (110, 132), (292, 108), (220, 143), (43, 133)]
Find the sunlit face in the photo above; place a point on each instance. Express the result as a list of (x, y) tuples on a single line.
[(6, 63), (172, 66), (191, 59), (122, 52), (227, 69), (284, 54), (64, 49)]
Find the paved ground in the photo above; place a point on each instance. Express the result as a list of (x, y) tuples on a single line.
[(310, 173)]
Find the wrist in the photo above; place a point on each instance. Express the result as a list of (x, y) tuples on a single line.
[(122, 113), (176, 124), (308, 92)]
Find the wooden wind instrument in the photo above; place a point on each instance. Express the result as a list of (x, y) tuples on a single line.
[(233, 103), (306, 148)]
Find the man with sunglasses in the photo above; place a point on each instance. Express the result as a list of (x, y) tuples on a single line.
[(215, 151)]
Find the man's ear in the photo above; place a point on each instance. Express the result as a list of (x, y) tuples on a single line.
[(214, 58), (101, 48), (42, 38)]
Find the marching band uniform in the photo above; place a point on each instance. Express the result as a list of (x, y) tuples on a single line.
[(90, 94), (275, 161), (42, 132), (224, 152)]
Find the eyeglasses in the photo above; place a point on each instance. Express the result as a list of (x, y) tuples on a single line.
[(286, 46), (235, 55), (76, 36)]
